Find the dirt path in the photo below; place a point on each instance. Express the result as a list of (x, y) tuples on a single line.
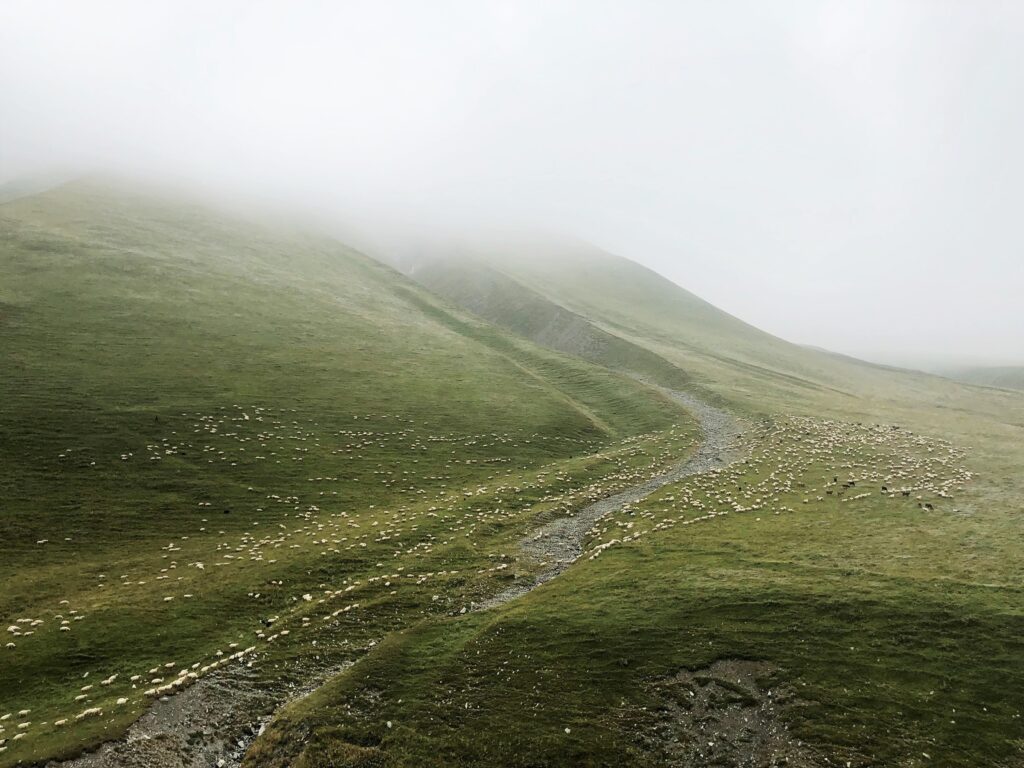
[(733, 712), (210, 724), (560, 543), (215, 721)]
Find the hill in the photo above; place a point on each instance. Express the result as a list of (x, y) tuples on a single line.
[(503, 301), (753, 371), (205, 418), (842, 595), (261, 489), (1006, 377)]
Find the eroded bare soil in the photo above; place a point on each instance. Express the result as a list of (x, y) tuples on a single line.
[(210, 724), (731, 713)]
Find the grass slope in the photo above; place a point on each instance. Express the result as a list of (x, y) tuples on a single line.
[(205, 419), (166, 360), (891, 628), (500, 300)]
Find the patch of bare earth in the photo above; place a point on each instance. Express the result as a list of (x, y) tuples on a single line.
[(210, 724), (728, 714)]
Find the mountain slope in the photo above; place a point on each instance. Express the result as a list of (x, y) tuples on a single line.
[(849, 586), (239, 461), (98, 276), (752, 370), (1007, 377), (205, 418), (500, 300)]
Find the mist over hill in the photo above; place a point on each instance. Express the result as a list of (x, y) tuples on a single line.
[(241, 456), (1007, 377), (511, 385)]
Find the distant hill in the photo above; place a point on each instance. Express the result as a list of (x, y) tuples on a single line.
[(24, 187), (500, 299), (577, 298), (1005, 377)]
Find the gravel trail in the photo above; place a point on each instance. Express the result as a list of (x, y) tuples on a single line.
[(560, 543), (209, 725)]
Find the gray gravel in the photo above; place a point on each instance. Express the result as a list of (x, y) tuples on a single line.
[(560, 543), (210, 724), (734, 712)]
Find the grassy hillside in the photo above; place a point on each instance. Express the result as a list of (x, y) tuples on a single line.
[(503, 301), (231, 447), (753, 371), (205, 419), (879, 639), (864, 559)]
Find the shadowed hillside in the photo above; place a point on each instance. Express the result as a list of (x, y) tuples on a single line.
[(176, 381), (501, 300)]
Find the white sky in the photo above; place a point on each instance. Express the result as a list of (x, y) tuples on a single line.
[(844, 174)]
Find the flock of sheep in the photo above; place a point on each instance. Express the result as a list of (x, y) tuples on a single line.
[(423, 513), (799, 463)]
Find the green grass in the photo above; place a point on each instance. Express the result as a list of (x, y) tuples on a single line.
[(892, 658), (182, 388), (898, 628)]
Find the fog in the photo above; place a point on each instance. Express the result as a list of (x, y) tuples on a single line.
[(848, 175)]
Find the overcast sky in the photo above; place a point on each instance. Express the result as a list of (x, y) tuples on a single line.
[(844, 174)]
